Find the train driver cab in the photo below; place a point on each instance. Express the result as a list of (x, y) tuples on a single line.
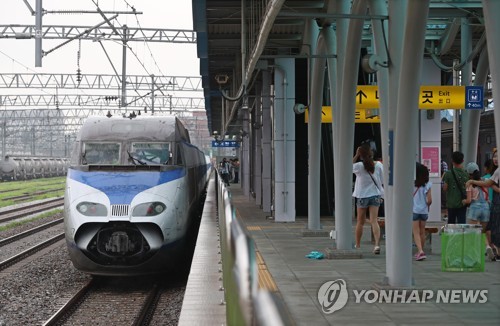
[(100, 153), (150, 153), (135, 153)]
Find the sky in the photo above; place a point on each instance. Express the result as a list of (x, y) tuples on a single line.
[(168, 59)]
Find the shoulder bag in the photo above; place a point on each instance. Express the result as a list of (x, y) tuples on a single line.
[(376, 185), (381, 209)]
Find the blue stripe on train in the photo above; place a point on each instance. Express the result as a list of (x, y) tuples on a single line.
[(122, 187)]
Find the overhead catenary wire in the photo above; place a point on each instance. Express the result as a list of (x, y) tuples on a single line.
[(34, 71), (149, 66), (145, 37), (137, 57)]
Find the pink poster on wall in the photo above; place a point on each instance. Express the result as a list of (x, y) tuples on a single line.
[(431, 159)]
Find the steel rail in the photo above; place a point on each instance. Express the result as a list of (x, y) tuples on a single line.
[(26, 233), (29, 252), (71, 305), (12, 214)]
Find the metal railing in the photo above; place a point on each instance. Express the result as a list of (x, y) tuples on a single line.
[(246, 304)]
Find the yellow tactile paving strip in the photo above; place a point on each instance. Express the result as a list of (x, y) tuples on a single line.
[(266, 281), (260, 228)]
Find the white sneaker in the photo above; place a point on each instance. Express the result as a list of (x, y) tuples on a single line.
[(489, 253)]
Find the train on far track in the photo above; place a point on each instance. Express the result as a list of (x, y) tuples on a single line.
[(14, 168), (133, 189)]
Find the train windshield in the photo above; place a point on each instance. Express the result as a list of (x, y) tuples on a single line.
[(150, 153), (101, 153)]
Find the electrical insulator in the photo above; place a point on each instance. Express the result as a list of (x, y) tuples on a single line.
[(78, 75)]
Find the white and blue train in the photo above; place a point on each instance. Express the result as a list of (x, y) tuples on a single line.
[(132, 189)]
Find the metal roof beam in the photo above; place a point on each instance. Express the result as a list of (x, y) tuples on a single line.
[(98, 81), (102, 33), (162, 103)]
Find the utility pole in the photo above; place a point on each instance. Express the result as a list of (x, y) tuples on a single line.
[(4, 136), (170, 100), (33, 139), (152, 94), (38, 33), (124, 67), (50, 145), (456, 113)]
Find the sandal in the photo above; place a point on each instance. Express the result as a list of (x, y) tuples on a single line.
[(376, 250)]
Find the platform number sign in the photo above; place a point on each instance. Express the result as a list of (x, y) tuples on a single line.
[(225, 143)]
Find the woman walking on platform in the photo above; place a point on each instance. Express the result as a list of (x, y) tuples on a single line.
[(493, 226), (368, 191), (478, 211), (422, 200)]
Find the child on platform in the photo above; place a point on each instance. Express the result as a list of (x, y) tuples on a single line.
[(422, 200)]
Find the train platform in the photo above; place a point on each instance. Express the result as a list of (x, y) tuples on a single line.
[(439, 298)]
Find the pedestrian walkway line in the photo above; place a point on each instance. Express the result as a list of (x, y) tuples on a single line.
[(266, 281)]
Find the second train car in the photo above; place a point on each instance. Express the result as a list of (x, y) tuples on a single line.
[(132, 189)]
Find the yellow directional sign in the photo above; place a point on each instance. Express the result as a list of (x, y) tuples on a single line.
[(367, 97), (361, 116), (442, 97), (451, 97), (430, 98)]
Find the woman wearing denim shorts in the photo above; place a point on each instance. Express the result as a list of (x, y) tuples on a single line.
[(368, 189), (477, 196)]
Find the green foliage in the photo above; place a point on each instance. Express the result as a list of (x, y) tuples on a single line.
[(35, 218), (39, 188)]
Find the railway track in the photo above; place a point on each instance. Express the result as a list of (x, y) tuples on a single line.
[(9, 190), (30, 252), (29, 232), (105, 301), (14, 213), (28, 196)]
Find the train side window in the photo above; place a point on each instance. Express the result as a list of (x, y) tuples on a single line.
[(178, 156)]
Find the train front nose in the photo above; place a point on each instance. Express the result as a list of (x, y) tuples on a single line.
[(119, 243)]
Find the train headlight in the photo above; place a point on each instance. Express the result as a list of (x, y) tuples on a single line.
[(92, 209), (149, 209)]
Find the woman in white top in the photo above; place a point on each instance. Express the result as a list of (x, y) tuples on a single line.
[(422, 199), (368, 190)]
